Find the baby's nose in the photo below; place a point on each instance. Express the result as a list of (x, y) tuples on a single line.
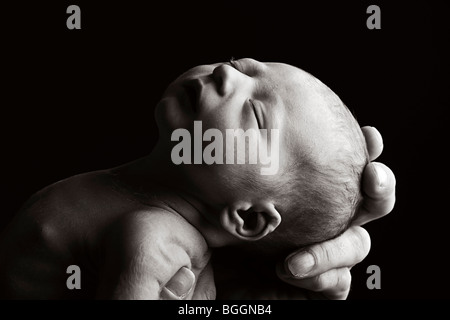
[(224, 77)]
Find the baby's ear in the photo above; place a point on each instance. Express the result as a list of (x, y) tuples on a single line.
[(250, 221)]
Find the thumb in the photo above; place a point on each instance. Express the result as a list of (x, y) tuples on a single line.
[(180, 286)]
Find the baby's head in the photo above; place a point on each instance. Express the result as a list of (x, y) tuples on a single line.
[(310, 188)]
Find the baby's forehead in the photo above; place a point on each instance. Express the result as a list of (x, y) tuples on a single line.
[(289, 73), (308, 123), (293, 85), (298, 91)]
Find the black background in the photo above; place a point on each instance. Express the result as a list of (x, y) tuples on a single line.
[(80, 100)]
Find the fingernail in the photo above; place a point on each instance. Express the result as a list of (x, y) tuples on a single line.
[(182, 284), (301, 264), (381, 175)]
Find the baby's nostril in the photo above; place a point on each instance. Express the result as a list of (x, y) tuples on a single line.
[(218, 76)]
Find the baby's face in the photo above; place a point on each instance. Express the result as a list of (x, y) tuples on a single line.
[(248, 94)]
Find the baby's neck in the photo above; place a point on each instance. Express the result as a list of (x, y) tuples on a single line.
[(153, 183)]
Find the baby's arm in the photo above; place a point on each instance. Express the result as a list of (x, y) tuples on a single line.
[(153, 247)]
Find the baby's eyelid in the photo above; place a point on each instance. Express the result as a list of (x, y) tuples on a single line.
[(257, 116)]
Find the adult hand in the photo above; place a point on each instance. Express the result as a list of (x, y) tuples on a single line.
[(141, 260)]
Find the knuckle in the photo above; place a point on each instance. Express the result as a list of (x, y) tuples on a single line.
[(344, 280), (322, 282), (335, 283)]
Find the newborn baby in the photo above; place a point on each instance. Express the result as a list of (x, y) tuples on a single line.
[(315, 189), (190, 204)]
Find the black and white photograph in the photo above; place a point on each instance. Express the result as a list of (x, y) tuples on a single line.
[(230, 151)]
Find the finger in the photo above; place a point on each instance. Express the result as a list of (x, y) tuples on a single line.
[(374, 142), (346, 250), (138, 267), (180, 286), (205, 289), (333, 284), (378, 184)]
